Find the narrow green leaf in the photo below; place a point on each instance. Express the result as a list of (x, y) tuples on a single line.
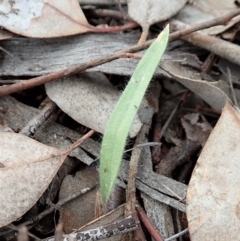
[(120, 122)]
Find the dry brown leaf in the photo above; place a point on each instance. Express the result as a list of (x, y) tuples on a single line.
[(43, 19), (211, 94), (213, 199), (89, 99), (148, 12), (26, 169)]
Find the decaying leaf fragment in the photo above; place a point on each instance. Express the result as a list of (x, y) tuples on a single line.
[(27, 167), (213, 197)]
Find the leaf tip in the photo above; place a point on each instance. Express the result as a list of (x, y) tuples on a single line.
[(164, 33)]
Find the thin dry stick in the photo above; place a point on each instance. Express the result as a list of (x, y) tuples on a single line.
[(177, 235), (77, 143), (39, 119), (9, 89), (231, 87), (64, 201), (133, 167), (148, 224)]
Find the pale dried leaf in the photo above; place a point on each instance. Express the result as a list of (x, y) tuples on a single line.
[(215, 97), (213, 200), (148, 12), (89, 99), (197, 128), (43, 18), (27, 168)]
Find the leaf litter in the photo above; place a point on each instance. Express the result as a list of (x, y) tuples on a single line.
[(28, 168)]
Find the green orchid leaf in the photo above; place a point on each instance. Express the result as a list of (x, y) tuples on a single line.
[(120, 122)]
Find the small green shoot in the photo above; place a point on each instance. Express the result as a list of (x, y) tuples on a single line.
[(120, 122)]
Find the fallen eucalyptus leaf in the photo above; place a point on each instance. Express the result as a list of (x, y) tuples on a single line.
[(211, 94), (89, 99), (43, 19), (26, 169), (152, 11), (213, 200)]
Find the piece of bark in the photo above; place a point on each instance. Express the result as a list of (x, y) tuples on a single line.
[(158, 212), (33, 57), (156, 186)]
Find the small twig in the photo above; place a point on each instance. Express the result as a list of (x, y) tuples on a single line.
[(177, 235), (77, 143), (231, 87), (121, 9), (133, 167), (148, 224), (62, 202), (6, 90), (39, 119), (117, 228)]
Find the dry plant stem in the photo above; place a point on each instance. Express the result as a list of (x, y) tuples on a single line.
[(38, 120), (6, 90), (117, 228), (133, 168), (208, 63), (231, 87), (121, 9), (177, 235), (62, 202), (156, 153), (77, 143), (148, 224), (143, 38)]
